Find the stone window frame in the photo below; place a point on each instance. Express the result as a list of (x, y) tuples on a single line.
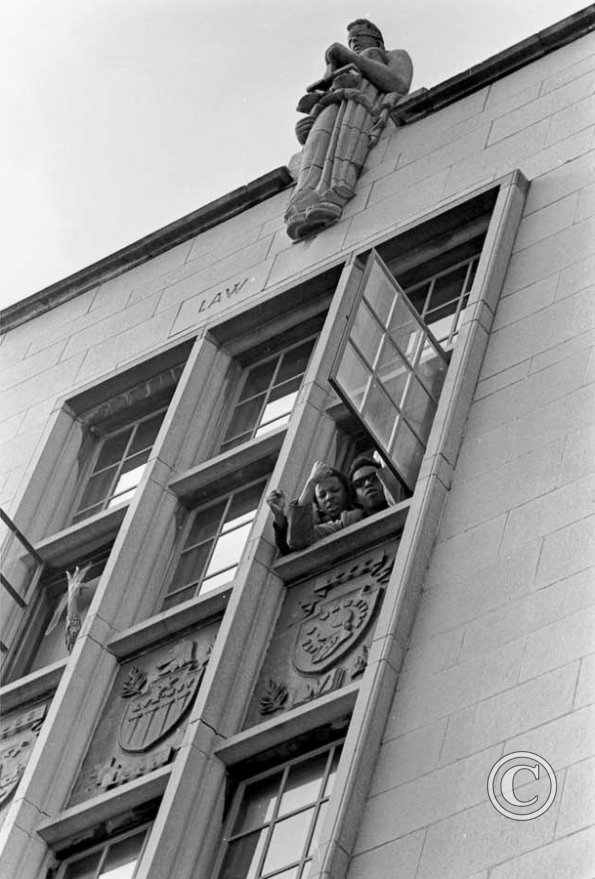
[(30, 637), (282, 767), (112, 497), (46, 510), (258, 429), (227, 495)]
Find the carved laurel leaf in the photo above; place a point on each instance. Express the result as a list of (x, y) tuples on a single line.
[(274, 698), (134, 683)]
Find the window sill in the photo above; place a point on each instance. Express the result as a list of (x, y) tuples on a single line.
[(288, 725), (59, 832), (171, 622), (32, 686), (64, 547), (332, 549), (239, 465)]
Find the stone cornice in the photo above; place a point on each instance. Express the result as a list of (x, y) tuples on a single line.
[(425, 101), (415, 106), (218, 211)]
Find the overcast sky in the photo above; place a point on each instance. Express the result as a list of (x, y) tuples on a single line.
[(120, 116)]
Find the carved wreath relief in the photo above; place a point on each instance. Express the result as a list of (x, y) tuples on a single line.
[(322, 639), (146, 714), (18, 734)]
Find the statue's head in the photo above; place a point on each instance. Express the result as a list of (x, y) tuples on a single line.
[(362, 34)]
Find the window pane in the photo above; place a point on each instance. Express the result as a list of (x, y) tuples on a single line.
[(245, 417), (122, 857), (353, 376), (328, 788), (206, 523), (405, 331), (112, 449), (244, 501), (303, 784), (288, 840), (282, 405), (367, 334), (129, 478), (318, 828), (392, 372), (407, 452), (98, 489), (229, 548), (242, 857), (287, 874), (379, 412), (380, 293), (295, 361), (448, 287), (431, 370), (259, 804), (190, 566), (220, 579), (419, 409), (418, 295), (178, 597), (259, 378), (146, 433), (83, 868)]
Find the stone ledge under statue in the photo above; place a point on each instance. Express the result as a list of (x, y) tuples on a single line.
[(347, 112)]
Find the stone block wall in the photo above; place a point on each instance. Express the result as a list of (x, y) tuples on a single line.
[(501, 654)]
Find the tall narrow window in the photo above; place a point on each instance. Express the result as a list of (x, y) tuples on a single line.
[(119, 463), (268, 394), (116, 859), (277, 819), (216, 535), (389, 371)]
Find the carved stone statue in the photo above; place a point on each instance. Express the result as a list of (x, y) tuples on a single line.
[(347, 111)]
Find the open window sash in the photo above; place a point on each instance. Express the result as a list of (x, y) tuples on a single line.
[(389, 370)]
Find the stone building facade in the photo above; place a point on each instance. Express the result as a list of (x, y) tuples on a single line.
[(226, 711)]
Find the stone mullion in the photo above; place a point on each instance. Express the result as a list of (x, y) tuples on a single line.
[(89, 674)]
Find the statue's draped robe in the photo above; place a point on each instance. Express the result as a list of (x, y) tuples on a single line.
[(347, 122)]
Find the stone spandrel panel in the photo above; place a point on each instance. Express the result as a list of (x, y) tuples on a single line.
[(323, 634), (18, 733), (144, 719)]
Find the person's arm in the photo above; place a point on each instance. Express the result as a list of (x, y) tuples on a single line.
[(393, 74), (319, 471), (276, 502)]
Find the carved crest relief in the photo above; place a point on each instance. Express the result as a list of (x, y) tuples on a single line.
[(322, 638), (145, 717), (18, 734)]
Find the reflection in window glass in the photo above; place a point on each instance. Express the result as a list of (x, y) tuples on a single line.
[(214, 543), (114, 860), (268, 394), (278, 818), (119, 466)]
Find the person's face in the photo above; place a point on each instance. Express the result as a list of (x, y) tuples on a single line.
[(367, 488), (331, 496), (359, 41)]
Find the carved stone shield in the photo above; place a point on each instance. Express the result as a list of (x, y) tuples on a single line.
[(158, 701), (18, 735), (332, 629)]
